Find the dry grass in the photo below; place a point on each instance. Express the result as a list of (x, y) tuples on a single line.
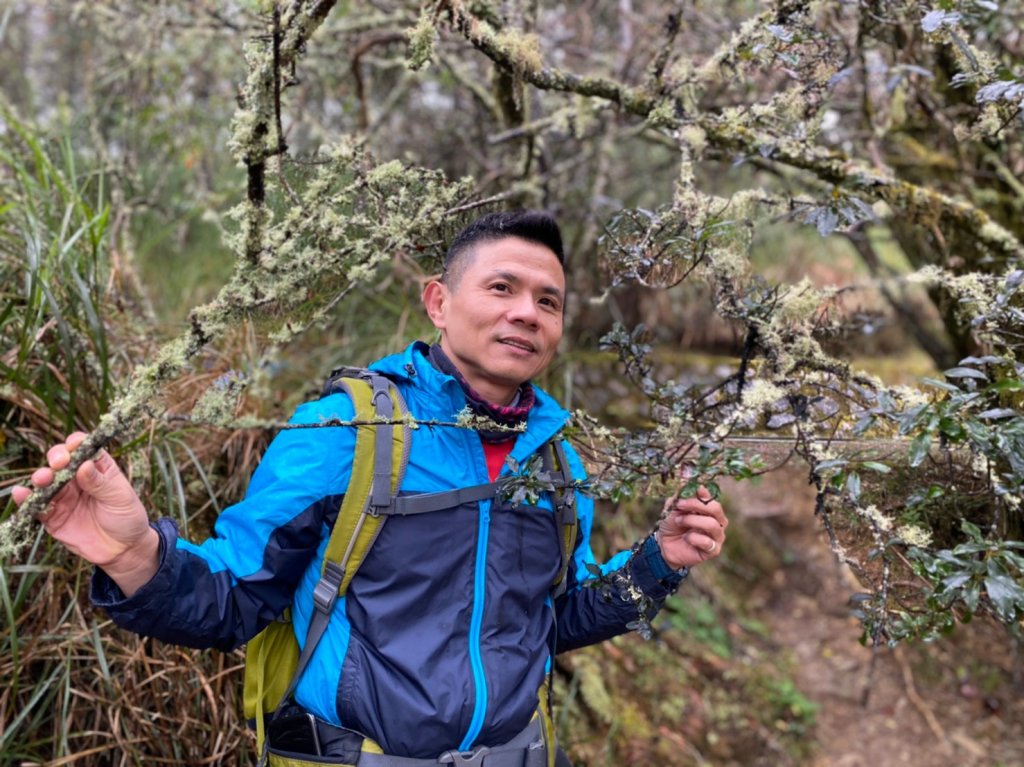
[(74, 688), (77, 687)]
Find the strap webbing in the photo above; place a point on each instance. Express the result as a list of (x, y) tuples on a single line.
[(380, 494), (446, 499), (324, 596), (565, 509)]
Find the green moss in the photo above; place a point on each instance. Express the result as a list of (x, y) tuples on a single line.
[(421, 42)]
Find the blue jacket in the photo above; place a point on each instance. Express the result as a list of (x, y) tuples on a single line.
[(445, 634)]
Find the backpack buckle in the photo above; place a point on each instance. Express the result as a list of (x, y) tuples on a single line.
[(464, 758), (325, 593)]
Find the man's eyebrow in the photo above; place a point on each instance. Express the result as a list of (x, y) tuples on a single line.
[(550, 290)]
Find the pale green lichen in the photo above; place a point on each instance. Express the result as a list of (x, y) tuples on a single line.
[(799, 303), (218, 404), (908, 396), (694, 137), (467, 419), (760, 394), (522, 49), (663, 115), (387, 174), (913, 535), (926, 275), (592, 688), (974, 289), (421, 42), (876, 517)]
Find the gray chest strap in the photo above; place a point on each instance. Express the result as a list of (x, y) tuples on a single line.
[(446, 499)]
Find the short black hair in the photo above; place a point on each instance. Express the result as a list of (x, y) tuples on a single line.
[(537, 226)]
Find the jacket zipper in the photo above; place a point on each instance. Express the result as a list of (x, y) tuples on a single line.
[(475, 658)]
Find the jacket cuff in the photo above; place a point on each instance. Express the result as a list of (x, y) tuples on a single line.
[(105, 593), (653, 574)]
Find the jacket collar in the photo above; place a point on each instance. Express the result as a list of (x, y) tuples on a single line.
[(444, 392)]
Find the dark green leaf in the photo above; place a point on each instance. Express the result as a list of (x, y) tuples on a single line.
[(965, 373), (971, 597), (919, 448), (853, 486), (955, 581), (948, 556), (940, 385), (881, 468), (988, 359), (951, 428), (1014, 559), (998, 412), (1006, 594), (972, 530), (971, 548)]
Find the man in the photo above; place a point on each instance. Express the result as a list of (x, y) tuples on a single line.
[(439, 649)]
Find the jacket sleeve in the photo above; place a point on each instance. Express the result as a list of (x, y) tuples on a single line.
[(586, 615), (223, 592)]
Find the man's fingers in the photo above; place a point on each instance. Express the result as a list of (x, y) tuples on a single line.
[(58, 456), (20, 493), (711, 510), (74, 439), (104, 463), (89, 477), (705, 544), (699, 522), (42, 477)]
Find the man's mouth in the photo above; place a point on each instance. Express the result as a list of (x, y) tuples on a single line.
[(518, 343)]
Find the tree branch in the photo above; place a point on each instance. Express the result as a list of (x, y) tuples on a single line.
[(738, 133)]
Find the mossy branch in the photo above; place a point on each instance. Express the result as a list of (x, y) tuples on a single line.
[(738, 132), (350, 218)]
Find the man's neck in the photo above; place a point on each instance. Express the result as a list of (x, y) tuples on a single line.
[(509, 416), (493, 393)]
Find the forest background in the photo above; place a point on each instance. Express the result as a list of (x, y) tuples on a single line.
[(795, 240)]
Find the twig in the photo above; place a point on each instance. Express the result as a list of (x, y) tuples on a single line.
[(918, 702)]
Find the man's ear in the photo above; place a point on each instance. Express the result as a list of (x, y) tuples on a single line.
[(435, 301)]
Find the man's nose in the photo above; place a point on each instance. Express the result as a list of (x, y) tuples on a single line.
[(524, 310)]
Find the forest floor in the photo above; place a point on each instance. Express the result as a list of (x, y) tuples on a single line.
[(949, 703)]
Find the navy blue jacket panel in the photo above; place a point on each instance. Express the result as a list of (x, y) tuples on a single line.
[(443, 638)]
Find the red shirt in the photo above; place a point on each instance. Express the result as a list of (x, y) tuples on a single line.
[(496, 453)]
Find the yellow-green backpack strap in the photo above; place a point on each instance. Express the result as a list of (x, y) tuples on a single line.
[(566, 519), (354, 528), (274, 663), (381, 455), (376, 476), (547, 723), (270, 661)]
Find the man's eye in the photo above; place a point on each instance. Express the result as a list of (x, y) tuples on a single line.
[(500, 286)]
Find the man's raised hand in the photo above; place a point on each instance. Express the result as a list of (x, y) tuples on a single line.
[(692, 530), (98, 516)]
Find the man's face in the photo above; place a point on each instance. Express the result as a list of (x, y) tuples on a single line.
[(501, 320)]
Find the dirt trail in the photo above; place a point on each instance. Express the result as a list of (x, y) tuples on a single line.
[(946, 704)]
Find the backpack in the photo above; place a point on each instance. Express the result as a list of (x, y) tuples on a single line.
[(273, 663)]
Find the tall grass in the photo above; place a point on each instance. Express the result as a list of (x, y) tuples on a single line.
[(73, 688)]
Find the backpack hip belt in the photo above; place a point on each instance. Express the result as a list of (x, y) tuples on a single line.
[(526, 749)]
